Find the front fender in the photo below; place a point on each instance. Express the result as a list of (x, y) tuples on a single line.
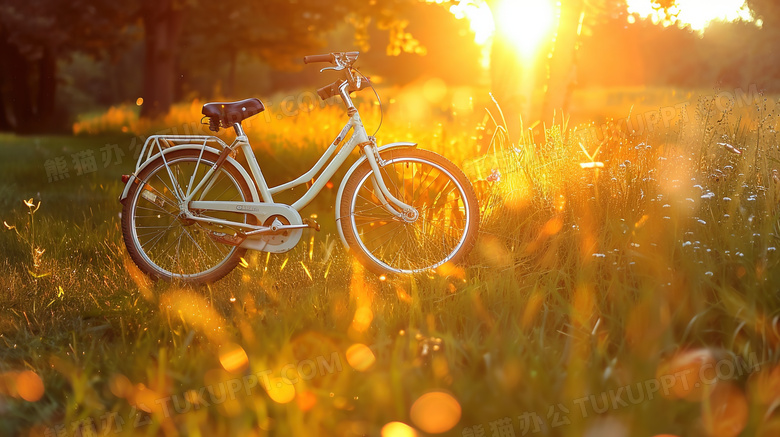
[(198, 148), (351, 170)]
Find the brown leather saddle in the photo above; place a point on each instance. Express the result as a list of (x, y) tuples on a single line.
[(226, 114)]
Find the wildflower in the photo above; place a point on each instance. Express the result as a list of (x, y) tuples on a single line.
[(731, 148)]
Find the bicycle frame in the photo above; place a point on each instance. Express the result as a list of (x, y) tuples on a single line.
[(326, 166)]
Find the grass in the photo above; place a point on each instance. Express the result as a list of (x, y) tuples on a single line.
[(585, 282)]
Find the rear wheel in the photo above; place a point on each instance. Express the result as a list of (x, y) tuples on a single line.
[(166, 245), (444, 231)]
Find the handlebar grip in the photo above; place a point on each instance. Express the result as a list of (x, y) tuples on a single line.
[(319, 58)]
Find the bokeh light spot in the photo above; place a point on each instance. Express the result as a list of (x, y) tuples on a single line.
[(281, 391), (29, 386), (693, 366), (233, 358), (360, 357), (362, 319), (398, 429), (726, 413), (120, 386), (435, 412)]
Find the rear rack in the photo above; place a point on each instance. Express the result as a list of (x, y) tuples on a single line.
[(159, 143)]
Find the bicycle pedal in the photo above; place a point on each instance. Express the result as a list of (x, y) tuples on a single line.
[(230, 240), (312, 224)]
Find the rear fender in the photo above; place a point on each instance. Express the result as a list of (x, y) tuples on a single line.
[(197, 148)]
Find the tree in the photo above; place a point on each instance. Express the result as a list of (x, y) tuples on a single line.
[(563, 59), (33, 36), (162, 22), (277, 31), (269, 30)]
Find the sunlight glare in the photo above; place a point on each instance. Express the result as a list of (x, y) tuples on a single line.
[(527, 23), (480, 19), (696, 14)]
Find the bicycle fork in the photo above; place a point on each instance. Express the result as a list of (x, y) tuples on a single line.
[(392, 204)]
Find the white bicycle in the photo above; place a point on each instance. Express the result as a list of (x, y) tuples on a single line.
[(191, 210)]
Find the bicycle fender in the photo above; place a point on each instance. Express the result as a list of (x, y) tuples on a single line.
[(362, 159), (198, 148)]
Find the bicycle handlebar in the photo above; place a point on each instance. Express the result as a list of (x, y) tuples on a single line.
[(319, 58), (332, 89), (329, 90), (343, 62)]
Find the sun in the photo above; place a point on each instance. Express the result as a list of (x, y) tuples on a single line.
[(527, 24)]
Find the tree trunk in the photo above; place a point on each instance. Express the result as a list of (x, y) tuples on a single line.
[(47, 87), (563, 62), (5, 122), (506, 77), (21, 99), (162, 27), (231, 82)]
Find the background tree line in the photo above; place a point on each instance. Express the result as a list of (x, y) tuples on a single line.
[(62, 58)]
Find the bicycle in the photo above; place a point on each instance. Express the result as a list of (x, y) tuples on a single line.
[(191, 210)]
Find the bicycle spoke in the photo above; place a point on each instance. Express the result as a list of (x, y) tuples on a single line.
[(166, 186), (416, 245), (161, 234), (175, 244)]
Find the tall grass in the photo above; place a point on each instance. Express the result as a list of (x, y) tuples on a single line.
[(584, 281)]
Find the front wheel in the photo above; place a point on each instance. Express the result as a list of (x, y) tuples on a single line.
[(444, 230)]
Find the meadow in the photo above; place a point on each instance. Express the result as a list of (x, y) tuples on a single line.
[(623, 284)]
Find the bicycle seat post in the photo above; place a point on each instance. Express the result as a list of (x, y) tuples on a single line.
[(239, 130)]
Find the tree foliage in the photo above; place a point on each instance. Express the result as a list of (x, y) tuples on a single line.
[(34, 35)]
